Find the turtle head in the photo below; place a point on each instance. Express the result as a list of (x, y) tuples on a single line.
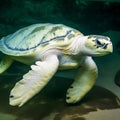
[(96, 45)]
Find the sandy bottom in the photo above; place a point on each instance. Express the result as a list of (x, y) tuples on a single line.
[(49, 104), (113, 114)]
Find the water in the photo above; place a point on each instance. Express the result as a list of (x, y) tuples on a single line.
[(90, 17)]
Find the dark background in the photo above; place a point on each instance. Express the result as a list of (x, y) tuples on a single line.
[(88, 16), (96, 16)]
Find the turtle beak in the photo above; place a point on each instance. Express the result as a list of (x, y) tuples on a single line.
[(109, 48)]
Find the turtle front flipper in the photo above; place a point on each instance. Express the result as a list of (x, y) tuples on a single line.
[(5, 63), (34, 80), (84, 81)]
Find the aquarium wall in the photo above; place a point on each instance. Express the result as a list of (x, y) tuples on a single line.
[(88, 16)]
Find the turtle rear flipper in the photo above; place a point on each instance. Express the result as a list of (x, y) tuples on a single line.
[(5, 63)]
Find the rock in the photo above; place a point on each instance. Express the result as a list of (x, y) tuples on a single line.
[(117, 47), (117, 78)]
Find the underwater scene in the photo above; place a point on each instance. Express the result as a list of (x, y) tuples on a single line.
[(60, 60)]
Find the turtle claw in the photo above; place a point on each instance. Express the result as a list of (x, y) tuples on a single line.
[(16, 102), (72, 95), (20, 95)]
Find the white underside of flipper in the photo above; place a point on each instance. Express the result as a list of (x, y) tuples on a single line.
[(84, 81), (34, 81)]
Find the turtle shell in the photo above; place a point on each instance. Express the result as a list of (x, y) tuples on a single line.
[(29, 39)]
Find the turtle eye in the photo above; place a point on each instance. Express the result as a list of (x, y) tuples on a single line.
[(98, 43)]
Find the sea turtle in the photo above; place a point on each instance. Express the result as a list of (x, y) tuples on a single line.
[(48, 48)]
